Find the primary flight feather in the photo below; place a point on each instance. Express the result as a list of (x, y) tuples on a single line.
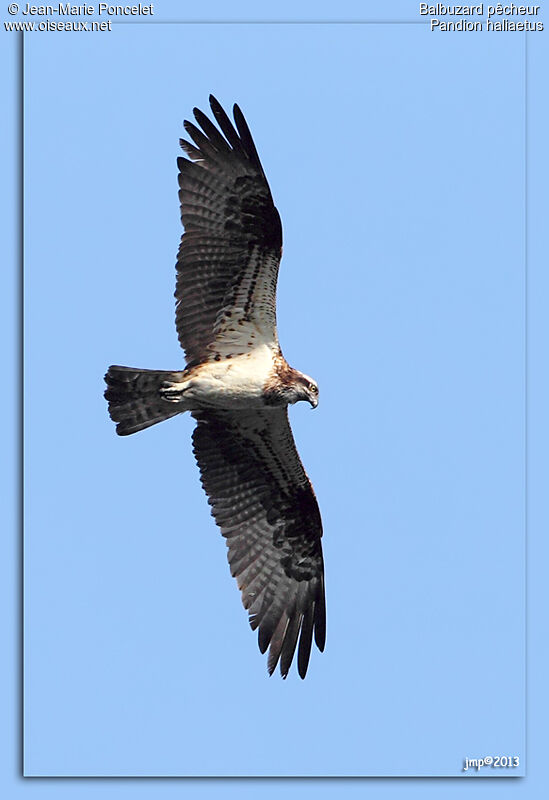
[(237, 386)]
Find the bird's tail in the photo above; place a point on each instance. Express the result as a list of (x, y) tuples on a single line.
[(135, 399)]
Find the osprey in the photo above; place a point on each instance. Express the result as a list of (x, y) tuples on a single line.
[(237, 386)]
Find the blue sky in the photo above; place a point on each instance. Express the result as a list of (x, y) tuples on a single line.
[(396, 160)]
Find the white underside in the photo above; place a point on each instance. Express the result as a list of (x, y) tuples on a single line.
[(237, 382)]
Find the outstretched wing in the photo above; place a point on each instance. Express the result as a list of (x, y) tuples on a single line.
[(228, 260), (263, 502)]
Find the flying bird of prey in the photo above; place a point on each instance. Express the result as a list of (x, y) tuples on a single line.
[(237, 386)]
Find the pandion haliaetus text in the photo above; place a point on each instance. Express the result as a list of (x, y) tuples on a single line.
[(237, 386)]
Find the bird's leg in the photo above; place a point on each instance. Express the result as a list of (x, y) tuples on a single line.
[(173, 391)]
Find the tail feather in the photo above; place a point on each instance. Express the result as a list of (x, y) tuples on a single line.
[(134, 398)]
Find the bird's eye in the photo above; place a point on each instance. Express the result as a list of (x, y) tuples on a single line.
[(313, 388)]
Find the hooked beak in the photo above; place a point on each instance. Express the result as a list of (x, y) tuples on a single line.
[(313, 401)]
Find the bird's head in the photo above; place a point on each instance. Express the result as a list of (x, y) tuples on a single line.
[(305, 389), (289, 387)]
